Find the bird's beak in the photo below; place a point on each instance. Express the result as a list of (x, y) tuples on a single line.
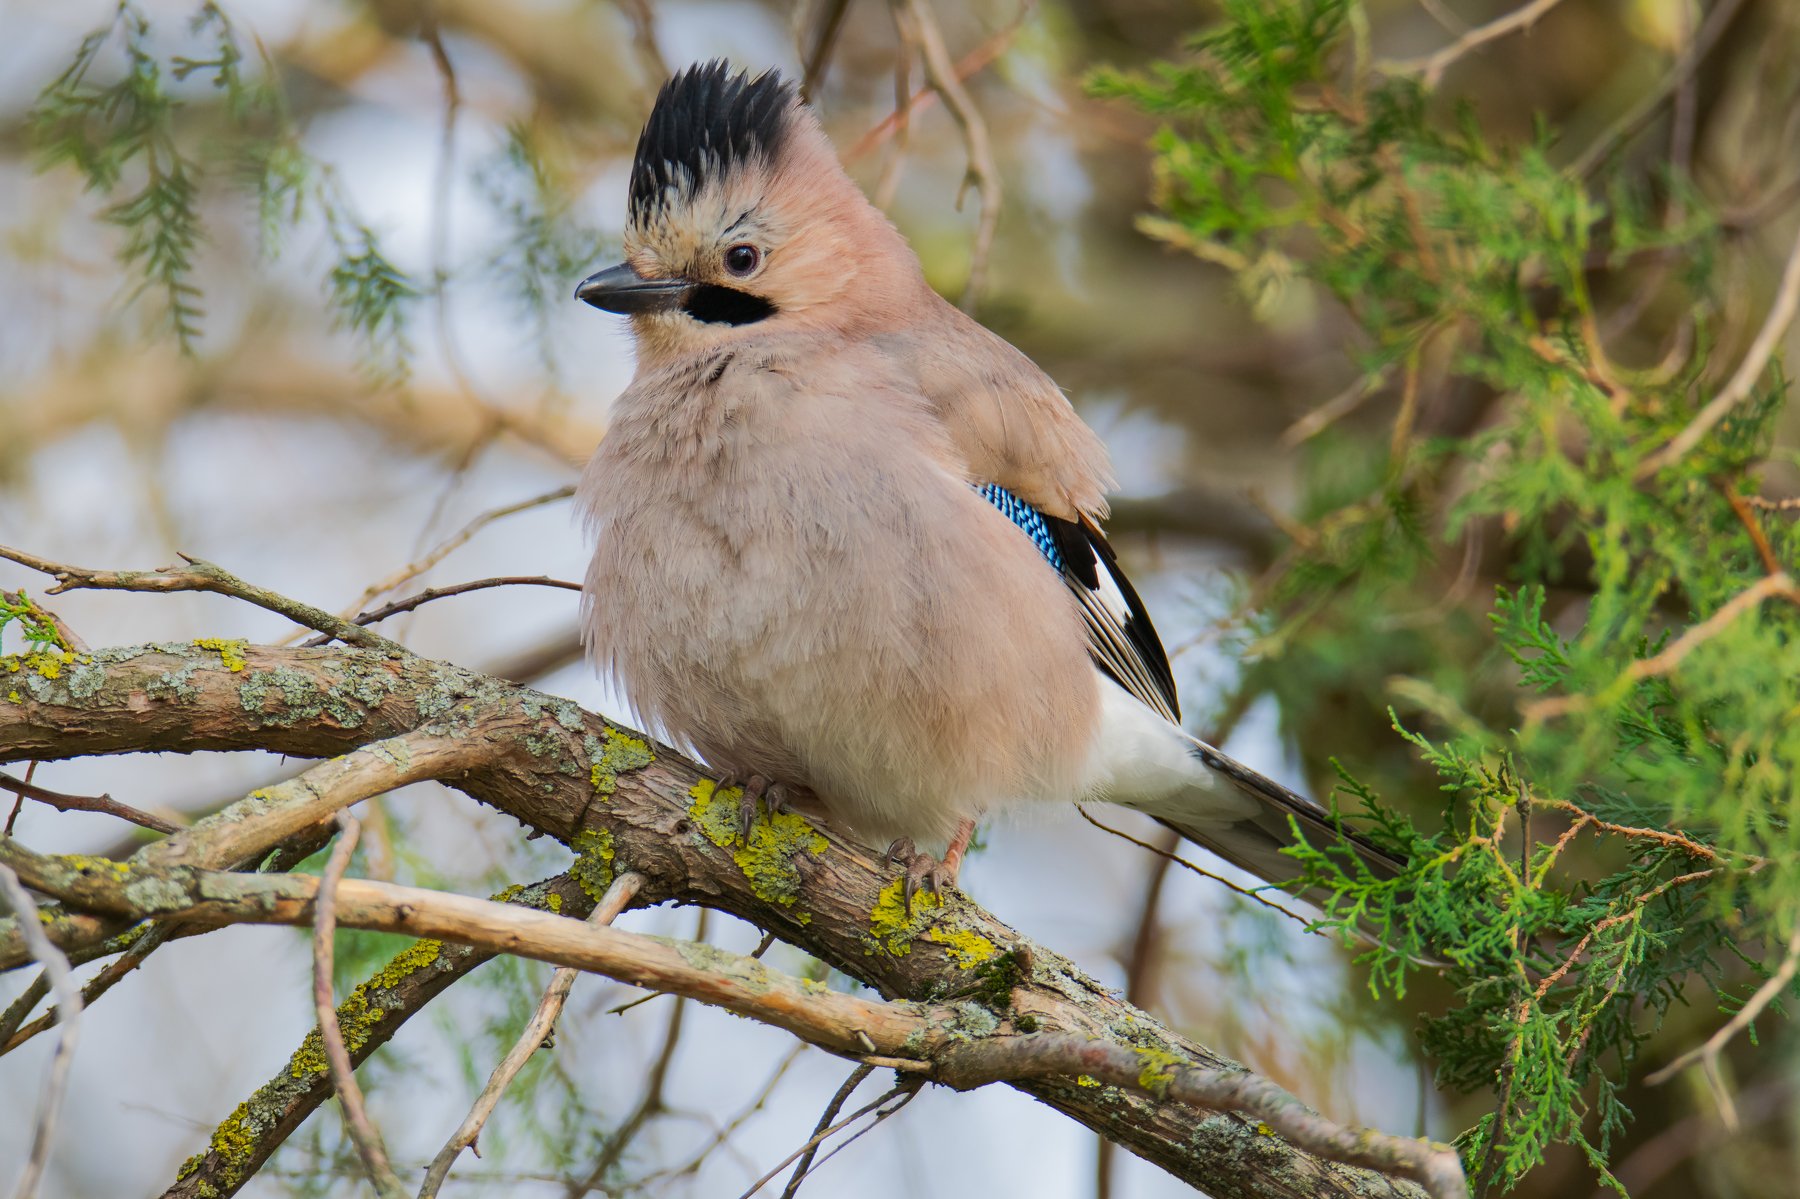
[(622, 289)]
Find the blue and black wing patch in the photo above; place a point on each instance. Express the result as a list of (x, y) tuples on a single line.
[(1121, 638)]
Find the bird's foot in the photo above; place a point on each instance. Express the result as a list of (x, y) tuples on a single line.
[(923, 871), (760, 795)]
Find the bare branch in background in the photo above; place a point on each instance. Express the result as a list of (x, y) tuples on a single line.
[(617, 898), (1743, 380), (1706, 1056), (68, 1003), (817, 60), (1431, 67), (377, 615), (450, 545), (104, 805), (363, 1132), (918, 25), (201, 576)]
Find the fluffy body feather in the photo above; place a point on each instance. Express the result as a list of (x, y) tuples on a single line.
[(797, 576)]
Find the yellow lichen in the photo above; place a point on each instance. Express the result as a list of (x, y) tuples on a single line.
[(619, 753), (767, 857), (230, 650), (45, 663), (1086, 1080), (554, 902), (357, 1016), (1158, 1070), (593, 866), (1263, 1130), (88, 864), (891, 929), (966, 947), (14, 697)]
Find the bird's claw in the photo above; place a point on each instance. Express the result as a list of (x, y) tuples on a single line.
[(759, 795), (923, 871)]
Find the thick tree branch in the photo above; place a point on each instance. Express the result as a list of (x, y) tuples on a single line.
[(961, 1044), (620, 800)]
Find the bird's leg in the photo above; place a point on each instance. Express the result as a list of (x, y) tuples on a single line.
[(923, 870)]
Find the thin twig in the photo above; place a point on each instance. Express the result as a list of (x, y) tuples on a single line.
[(201, 575), (1743, 381), (147, 942), (652, 1102), (1333, 410), (818, 1138), (450, 545), (919, 24), (1707, 1055), (343, 1074), (832, 1108), (1686, 64), (967, 66), (618, 896), (1672, 655), (819, 57), (105, 805), (1199, 870), (62, 982), (376, 615), (1431, 67)]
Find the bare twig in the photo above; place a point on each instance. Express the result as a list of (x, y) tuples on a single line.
[(1743, 381), (832, 1108), (450, 545), (651, 1103), (919, 24), (1671, 656), (105, 805), (818, 1138), (343, 1074), (62, 982), (1686, 63), (376, 615), (723, 1134), (1333, 410), (617, 898), (643, 39), (1178, 860), (201, 575), (1431, 67), (12, 1036), (818, 59), (1707, 1055), (896, 122)]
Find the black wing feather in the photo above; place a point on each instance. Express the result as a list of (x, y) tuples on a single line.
[(1123, 642)]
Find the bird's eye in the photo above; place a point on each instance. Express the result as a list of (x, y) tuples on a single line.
[(742, 259)]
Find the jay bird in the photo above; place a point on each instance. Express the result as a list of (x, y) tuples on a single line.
[(848, 540)]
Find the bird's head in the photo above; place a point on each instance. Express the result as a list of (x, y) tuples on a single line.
[(741, 221)]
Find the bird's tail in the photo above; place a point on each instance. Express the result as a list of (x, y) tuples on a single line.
[(1249, 819)]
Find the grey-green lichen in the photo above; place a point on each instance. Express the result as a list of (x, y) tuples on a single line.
[(611, 754)]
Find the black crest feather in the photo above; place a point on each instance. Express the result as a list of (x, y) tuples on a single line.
[(706, 122)]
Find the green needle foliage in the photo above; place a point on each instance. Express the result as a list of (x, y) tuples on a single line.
[(113, 114), (1596, 788)]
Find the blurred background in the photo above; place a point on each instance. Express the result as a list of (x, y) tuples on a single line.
[(457, 167)]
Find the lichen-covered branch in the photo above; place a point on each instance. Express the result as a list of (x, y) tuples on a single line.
[(622, 802)]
